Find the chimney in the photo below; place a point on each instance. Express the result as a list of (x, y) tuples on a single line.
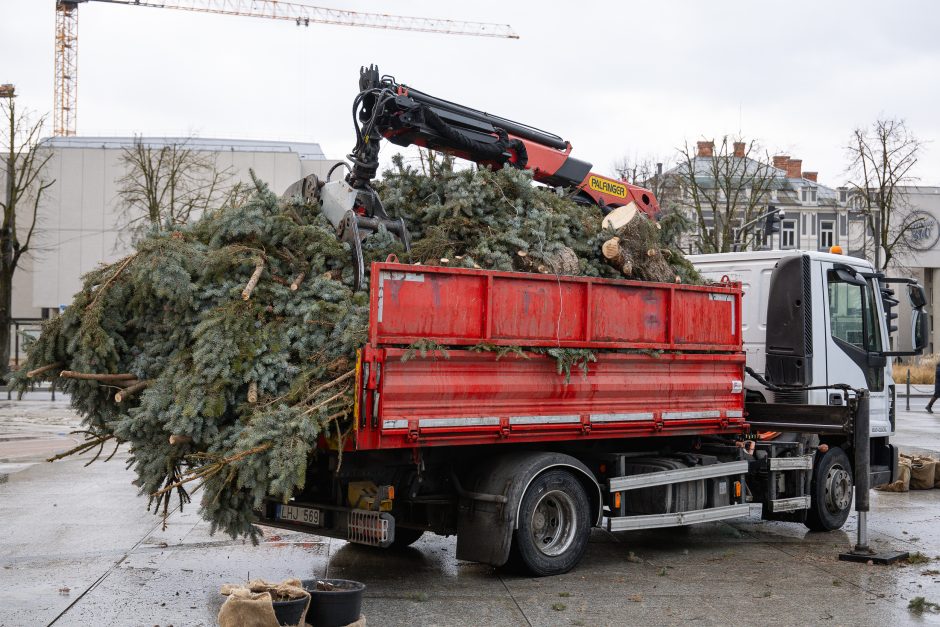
[(706, 149), (739, 149), (810, 176), (780, 161), (794, 168)]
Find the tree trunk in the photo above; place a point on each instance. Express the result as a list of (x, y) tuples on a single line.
[(6, 310)]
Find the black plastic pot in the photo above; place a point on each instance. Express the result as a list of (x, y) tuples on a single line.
[(337, 607), (289, 612)]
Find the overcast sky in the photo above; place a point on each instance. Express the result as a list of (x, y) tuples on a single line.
[(614, 79)]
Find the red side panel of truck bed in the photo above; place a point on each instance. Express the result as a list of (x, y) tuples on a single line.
[(669, 359)]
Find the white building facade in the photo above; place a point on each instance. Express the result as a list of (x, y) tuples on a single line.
[(82, 222)]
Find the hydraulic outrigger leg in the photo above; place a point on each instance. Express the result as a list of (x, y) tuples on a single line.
[(861, 434)]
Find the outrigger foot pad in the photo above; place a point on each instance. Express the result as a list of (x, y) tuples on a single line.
[(883, 558)]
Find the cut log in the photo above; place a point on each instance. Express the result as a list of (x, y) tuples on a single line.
[(46, 368), (95, 376), (253, 281), (127, 392), (295, 284), (253, 392), (177, 440), (617, 256)]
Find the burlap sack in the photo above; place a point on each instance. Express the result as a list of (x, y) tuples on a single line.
[(902, 483), (244, 608), (936, 476), (922, 473), (251, 605)]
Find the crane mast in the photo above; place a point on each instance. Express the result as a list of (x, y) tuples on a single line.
[(66, 37)]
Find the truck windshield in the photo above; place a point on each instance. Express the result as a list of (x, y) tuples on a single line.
[(852, 315)]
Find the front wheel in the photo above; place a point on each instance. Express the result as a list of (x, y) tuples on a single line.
[(554, 525), (831, 491)]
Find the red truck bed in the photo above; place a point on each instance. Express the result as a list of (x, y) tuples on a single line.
[(669, 359)]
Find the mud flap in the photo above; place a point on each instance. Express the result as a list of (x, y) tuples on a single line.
[(485, 527)]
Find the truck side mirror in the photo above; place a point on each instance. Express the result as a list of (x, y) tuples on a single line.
[(917, 296)]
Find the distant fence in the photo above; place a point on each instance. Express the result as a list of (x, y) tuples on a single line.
[(22, 330)]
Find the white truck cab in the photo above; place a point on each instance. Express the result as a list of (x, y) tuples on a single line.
[(814, 319)]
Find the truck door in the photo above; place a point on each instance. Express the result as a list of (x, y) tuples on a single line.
[(854, 339)]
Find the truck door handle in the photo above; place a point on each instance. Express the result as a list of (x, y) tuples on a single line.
[(835, 398)]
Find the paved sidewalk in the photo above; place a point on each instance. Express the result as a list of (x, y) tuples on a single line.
[(79, 548)]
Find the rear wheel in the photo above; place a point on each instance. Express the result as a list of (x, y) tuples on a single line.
[(554, 525), (831, 491), (405, 537)]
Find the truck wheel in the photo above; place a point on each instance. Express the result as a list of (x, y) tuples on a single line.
[(405, 537), (554, 525), (831, 491)]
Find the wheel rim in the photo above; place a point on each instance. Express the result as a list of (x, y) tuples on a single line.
[(838, 495), (554, 523)]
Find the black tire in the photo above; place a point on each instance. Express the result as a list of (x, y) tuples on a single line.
[(831, 491), (554, 525), (405, 537)]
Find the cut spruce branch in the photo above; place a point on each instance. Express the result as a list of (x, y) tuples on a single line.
[(253, 281), (213, 467), (101, 290), (87, 445), (295, 284), (129, 391), (178, 440), (96, 376), (38, 371)]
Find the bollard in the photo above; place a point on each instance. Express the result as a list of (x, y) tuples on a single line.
[(908, 406)]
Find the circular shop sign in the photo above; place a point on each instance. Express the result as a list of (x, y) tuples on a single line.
[(924, 232)]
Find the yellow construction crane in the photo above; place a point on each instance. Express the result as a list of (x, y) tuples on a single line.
[(66, 34)]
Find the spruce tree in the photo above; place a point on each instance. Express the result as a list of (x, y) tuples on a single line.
[(222, 350)]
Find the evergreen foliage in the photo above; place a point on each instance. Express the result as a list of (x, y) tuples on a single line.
[(223, 349)]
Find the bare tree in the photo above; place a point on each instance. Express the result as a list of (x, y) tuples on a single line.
[(648, 172), (724, 186), (881, 158), (25, 187), (165, 184)]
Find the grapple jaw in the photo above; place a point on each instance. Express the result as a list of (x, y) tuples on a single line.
[(355, 213)]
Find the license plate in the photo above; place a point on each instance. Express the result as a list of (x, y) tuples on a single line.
[(303, 515)]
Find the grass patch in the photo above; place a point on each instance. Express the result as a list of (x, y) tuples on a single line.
[(919, 605), (917, 558), (559, 607)]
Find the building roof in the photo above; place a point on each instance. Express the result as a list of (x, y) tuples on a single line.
[(305, 150), (754, 168)]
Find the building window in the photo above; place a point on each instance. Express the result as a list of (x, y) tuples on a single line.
[(788, 234), (827, 234), (843, 195), (808, 194)]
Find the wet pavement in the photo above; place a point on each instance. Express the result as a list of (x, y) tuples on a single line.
[(79, 548)]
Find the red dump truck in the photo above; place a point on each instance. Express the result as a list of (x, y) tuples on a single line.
[(493, 441)]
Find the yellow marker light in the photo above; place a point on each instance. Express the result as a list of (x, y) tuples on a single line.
[(391, 492), (737, 489), (835, 250), (617, 500)]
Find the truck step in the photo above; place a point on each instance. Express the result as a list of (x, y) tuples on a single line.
[(803, 462), (790, 504), (654, 521), (665, 477)]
